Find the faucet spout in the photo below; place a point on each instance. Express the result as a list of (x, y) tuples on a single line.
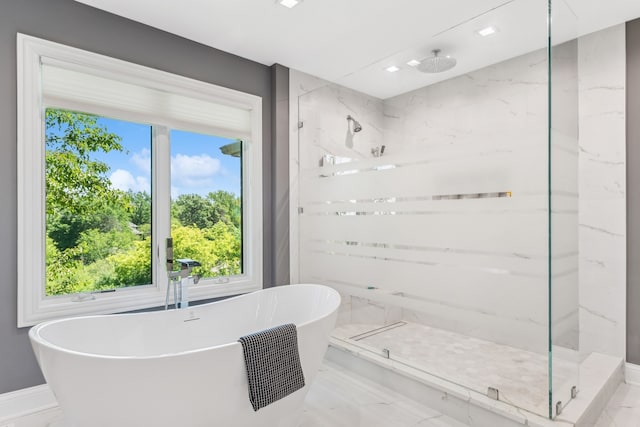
[(180, 280)]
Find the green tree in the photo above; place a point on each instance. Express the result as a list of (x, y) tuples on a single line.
[(75, 180), (205, 212), (192, 210), (94, 245), (140, 207), (66, 227), (131, 267), (87, 219), (227, 248), (191, 242), (65, 274), (225, 207)]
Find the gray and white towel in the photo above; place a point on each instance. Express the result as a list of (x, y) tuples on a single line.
[(273, 364)]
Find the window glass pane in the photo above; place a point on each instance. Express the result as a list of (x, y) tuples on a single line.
[(98, 203), (206, 202)]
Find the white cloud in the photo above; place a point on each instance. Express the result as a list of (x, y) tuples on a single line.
[(189, 174), (142, 160), (123, 180)]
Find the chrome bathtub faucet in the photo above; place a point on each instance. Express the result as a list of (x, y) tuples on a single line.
[(179, 279)]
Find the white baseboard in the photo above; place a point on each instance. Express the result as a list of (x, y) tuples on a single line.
[(26, 401), (632, 374)]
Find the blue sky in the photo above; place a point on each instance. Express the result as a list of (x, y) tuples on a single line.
[(197, 164)]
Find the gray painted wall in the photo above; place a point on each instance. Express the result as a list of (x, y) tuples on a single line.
[(74, 24), (280, 169), (633, 191)]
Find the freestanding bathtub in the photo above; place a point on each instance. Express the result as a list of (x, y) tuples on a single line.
[(181, 368)]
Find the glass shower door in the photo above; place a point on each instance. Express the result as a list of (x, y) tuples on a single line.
[(431, 213), (564, 358)]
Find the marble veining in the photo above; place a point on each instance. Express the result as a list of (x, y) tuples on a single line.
[(461, 116), (602, 189), (623, 409), (340, 398), (471, 134), (323, 107), (519, 375), (337, 398)]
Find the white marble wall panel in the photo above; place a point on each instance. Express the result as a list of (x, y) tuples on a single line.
[(602, 187), (498, 107), (564, 210), (481, 133), (324, 109), (497, 117)]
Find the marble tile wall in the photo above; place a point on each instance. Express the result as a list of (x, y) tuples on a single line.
[(564, 200), (323, 106), (498, 114), (498, 107), (602, 186)]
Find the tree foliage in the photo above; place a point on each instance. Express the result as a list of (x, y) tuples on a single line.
[(99, 237), (76, 181), (140, 207), (205, 212)]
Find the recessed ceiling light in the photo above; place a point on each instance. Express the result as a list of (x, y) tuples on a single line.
[(289, 3), (413, 63), (487, 31), (392, 69)]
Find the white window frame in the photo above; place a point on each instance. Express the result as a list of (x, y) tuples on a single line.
[(33, 305)]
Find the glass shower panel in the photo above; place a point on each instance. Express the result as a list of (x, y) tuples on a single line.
[(430, 214), (564, 358)]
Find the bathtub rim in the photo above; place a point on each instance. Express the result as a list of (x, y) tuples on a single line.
[(35, 337)]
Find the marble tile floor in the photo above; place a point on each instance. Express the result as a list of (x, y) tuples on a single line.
[(339, 398), (519, 375), (623, 410)]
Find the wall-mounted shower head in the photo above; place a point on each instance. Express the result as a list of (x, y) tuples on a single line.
[(436, 63), (357, 127)]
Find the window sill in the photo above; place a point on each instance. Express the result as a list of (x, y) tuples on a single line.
[(126, 299)]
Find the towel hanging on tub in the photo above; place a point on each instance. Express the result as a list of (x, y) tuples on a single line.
[(273, 364)]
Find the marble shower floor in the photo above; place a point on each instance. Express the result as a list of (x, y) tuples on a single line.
[(519, 375)]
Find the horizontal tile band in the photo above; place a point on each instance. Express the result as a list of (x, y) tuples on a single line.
[(444, 212), (411, 299), (396, 298), (351, 168), (426, 198), (489, 270), (439, 249)]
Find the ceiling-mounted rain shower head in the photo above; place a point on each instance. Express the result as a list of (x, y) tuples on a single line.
[(357, 127), (436, 63)]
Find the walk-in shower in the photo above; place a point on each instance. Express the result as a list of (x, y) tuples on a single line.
[(456, 252)]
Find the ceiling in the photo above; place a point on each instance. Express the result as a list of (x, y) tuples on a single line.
[(352, 42)]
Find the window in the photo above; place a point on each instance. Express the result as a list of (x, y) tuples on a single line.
[(97, 203), (114, 158)]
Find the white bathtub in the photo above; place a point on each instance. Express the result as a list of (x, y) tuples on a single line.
[(182, 368)]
